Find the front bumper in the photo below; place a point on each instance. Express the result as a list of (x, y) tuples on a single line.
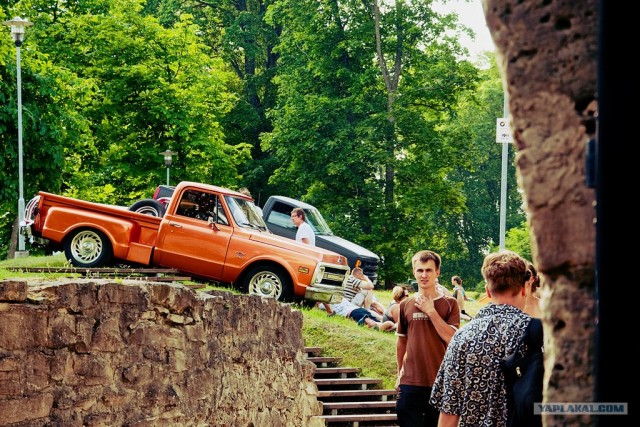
[(330, 296)]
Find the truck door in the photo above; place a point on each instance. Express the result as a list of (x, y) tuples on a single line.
[(195, 238)]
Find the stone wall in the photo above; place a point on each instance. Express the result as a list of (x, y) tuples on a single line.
[(112, 352), (547, 55)]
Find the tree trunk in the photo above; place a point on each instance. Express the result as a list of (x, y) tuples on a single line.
[(13, 244)]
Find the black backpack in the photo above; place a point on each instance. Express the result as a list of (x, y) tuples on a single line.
[(523, 378)]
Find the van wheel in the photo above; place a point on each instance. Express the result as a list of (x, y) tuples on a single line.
[(148, 207), (88, 248), (269, 282)]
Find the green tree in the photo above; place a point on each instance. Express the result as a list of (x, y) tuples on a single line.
[(51, 125), (375, 120), (152, 88), (518, 239), (236, 32), (474, 229), (106, 89), (361, 137)]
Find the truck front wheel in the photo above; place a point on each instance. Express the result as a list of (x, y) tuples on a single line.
[(88, 248), (269, 281)]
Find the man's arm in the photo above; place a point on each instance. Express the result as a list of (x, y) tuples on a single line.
[(364, 282), (448, 420), (365, 285), (401, 349), (444, 330)]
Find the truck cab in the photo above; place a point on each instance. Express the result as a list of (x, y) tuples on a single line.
[(277, 215)]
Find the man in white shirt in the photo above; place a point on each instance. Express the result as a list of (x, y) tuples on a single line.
[(304, 234)]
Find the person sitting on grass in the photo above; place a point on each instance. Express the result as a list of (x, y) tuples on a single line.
[(359, 290), (391, 313)]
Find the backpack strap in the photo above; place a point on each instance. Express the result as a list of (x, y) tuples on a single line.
[(533, 336)]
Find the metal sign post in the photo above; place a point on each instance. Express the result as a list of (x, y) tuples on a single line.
[(503, 135)]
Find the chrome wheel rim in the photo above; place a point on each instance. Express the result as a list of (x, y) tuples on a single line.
[(86, 246), (266, 284)]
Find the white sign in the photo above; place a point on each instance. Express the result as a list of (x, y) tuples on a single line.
[(503, 130)]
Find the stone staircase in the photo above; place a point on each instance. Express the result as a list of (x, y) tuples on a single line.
[(349, 399)]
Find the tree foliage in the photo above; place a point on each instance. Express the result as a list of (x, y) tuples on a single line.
[(236, 32), (360, 103), (365, 110), (474, 230)]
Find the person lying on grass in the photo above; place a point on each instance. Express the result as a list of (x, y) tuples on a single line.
[(360, 315)]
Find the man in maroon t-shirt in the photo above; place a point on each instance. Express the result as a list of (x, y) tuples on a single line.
[(426, 323)]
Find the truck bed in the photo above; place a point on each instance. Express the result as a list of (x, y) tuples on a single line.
[(141, 230)]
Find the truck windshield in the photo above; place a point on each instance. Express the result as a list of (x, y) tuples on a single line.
[(245, 213), (317, 222)]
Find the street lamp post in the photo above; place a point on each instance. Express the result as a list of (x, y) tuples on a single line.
[(18, 25), (168, 156)]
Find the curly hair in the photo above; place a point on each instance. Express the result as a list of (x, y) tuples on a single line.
[(505, 271)]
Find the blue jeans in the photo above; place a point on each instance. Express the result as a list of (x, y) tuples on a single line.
[(413, 408), (359, 314)]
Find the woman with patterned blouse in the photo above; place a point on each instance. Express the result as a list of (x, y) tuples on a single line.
[(469, 389)]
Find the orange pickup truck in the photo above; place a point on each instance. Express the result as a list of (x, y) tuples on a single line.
[(207, 231)]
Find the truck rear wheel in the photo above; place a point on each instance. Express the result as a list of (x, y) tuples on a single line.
[(148, 207), (270, 282), (88, 248)]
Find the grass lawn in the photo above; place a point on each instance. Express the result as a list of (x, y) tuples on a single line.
[(371, 350), (32, 261)]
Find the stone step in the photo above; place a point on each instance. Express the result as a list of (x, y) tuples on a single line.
[(332, 408), (342, 371), (357, 419), (313, 351), (345, 406), (324, 361), (357, 395), (361, 382)]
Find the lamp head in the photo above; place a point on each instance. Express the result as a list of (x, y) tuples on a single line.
[(168, 157), (17, 25)]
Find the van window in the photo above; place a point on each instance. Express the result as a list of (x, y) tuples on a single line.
[(280, 215)]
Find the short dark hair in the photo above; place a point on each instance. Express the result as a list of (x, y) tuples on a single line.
[(424, 256), (299, 212)]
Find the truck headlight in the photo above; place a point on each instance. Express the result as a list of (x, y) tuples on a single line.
[(317, 278)]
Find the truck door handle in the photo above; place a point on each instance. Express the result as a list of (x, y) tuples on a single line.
[(175, 224)]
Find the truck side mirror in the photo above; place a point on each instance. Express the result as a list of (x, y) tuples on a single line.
[(212, 223)]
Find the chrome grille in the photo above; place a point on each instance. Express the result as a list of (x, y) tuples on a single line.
[(334, 275)]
